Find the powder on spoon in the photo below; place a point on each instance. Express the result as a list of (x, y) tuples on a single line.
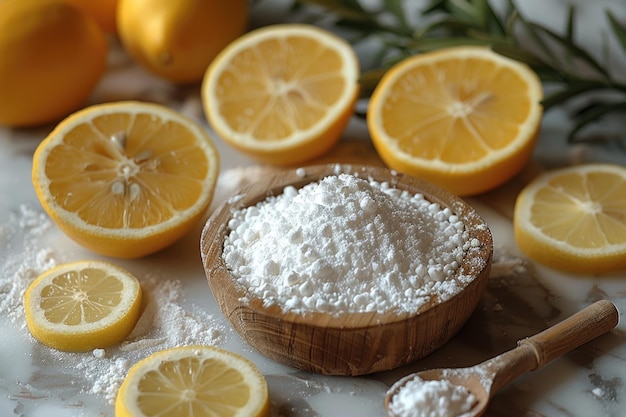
[(347, 245), (438, 398)]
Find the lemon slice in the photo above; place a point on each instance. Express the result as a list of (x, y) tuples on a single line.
[(82, 305), (464, 118), (284, 93), (574, 219), (193, 381), (126, 179)]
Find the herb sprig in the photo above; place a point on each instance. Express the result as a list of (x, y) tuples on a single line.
[(567, 69)]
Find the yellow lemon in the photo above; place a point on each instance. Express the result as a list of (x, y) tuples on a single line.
[(82, 305), (574, 219), (193, 381), (464, 118), (178, 39), (126, 179), (104, 11), (52, 57), (283, 94)]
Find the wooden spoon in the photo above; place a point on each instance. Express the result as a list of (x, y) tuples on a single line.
[(487, 378)]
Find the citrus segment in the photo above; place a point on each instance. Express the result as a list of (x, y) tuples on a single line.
[(82, 305), (126, 179), (53, 56), (283, 94), (574, 219), (465, 118), (193, 381)]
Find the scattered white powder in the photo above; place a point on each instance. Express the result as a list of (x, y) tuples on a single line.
[(22, 260), (598, 392), (99, 353), (165, 322), (421, 398), (346, 244), (301, 172)]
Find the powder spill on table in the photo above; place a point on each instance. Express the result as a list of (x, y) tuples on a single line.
[(165, 321)]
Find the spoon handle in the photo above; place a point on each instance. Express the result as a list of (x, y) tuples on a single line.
[(578, 329), (536, 351)]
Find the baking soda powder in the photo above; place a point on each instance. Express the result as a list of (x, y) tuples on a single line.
[(421, 398), (347, 245), (166, 321)]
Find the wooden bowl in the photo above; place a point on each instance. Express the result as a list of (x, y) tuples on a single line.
[(355, 343)]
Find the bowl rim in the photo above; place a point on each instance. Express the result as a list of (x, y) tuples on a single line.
[(216, 228)]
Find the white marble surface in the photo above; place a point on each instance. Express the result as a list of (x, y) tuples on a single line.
[(522, 298)]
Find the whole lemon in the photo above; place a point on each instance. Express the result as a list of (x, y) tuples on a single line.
[(104, 11), (51, 57), (177, 40)]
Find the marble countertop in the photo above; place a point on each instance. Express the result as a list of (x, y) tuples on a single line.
[(522, 298)]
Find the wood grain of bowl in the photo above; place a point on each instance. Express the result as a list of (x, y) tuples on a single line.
[(353, 343)]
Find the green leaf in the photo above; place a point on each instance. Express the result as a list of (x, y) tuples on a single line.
[(448, 25), (463, 10), (513, 52), (488, 38), (353, 4), (573, 49), (396, 8), (594, 114), (481, 13), (618, 31), (432, 44), (569, 32), (496, 25), (487, 19), (532, 33), (435, 6), (569, 92), (349, 9)]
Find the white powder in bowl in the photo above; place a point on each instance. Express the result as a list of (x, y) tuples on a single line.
[(421, 398), (347, 245)]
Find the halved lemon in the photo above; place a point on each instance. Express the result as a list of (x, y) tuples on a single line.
[(126, 179), (82, 305), (465, 118), (193, 381), (574, 219), (282, 94)]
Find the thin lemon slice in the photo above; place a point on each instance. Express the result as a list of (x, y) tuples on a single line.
[(574, 219), (464, 118), (193, 381), (126, 179), (82, 305), (284, 93)]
